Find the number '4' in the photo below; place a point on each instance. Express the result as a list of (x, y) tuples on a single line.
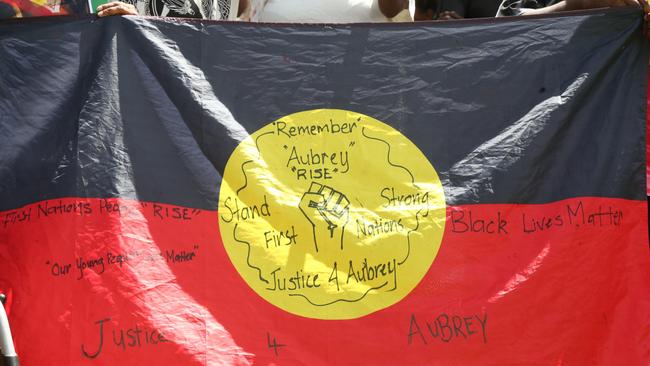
[(273, 344)]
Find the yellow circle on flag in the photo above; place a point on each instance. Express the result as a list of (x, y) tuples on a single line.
[(331, 214)]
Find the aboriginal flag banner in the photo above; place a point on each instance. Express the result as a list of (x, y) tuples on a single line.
[(200, 193)]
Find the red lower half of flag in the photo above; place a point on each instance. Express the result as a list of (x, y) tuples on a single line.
[(122, 282)]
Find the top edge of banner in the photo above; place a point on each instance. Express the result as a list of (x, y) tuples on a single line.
[(629, 10)]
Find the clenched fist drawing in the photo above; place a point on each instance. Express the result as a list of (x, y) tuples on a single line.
[(327, 210)]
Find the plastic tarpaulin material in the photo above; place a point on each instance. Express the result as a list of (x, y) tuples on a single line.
[(198, 193)]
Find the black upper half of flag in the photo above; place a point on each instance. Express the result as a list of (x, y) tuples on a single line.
[(520, 110)]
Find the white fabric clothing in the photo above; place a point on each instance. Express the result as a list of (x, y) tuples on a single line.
[(322, 11)]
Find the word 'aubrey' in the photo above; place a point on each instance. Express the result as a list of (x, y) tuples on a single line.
[(448, 327)]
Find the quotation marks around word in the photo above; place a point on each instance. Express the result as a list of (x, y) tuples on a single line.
[(175, 213), (274, 344)]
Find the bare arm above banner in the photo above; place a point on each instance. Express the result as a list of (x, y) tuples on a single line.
[(440, 10), (391, 8), (116, 8), (244, 10)]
